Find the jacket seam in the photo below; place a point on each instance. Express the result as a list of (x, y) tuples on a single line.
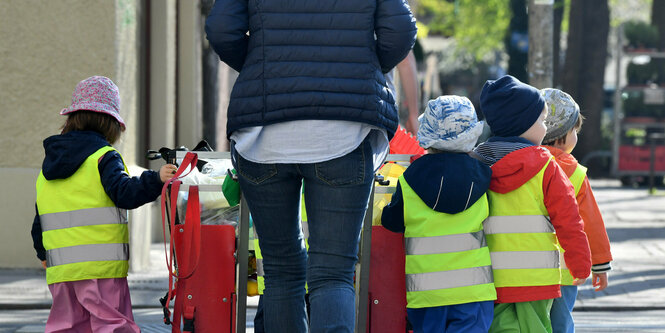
[(315, 29), (263, 64), (320, 13), (307, 105), (393, 15), (315, 45), (314, 77), (319, 62)]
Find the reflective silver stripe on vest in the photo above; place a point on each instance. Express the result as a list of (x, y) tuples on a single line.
[(525, 259), (90, 252), (517, 224), (259, 267), (305, 229), (444, 244), (449, 279), (83, 217)]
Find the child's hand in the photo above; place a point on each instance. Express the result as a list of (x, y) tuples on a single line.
[(579, 282), (599, 281), (44, 264), (166, 172)]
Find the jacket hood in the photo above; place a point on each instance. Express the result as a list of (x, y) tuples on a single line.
[(566, 161), (448, 182), (518, 167), (66, 152)]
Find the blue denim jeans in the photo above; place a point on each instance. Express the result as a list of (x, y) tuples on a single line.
[(562, 310), (336, 195)]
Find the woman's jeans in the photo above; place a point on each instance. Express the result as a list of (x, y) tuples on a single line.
[(336, 195)]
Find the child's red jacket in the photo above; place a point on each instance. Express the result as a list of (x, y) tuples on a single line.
[(511, 172)]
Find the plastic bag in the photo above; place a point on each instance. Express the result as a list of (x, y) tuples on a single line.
[(215, 208)]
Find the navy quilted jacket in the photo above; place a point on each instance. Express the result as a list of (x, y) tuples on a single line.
[(311, 59)]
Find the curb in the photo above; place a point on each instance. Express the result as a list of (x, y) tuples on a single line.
[(618, 308), (38, 306)]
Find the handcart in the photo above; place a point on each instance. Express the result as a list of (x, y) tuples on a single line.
[(207, 263)]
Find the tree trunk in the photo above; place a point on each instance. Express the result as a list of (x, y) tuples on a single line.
[(559, 6), (584, 69), (658, 20), (516, 40), (541, 24)]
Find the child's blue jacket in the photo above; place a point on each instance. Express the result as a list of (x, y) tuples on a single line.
[(442, 181)]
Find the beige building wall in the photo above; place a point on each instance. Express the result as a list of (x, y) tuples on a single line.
[(46, 48)]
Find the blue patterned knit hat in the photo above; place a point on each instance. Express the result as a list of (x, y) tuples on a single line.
[(449, 123)]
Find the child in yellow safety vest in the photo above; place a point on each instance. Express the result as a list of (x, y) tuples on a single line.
[(563, 121), (532, 210), (440, 205), (80, 230)]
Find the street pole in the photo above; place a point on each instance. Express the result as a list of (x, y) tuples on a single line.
[(653, 138), (541, 32)]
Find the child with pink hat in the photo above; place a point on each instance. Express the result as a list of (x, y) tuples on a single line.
[(80, 230)]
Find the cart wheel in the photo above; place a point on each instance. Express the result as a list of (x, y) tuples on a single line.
[(657, 181), (628, 181)]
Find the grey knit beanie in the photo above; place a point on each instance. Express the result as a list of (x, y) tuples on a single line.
[(562, 113)]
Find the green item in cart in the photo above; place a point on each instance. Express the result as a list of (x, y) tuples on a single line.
[(231, 190)]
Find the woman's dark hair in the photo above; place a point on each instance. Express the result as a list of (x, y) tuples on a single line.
[(101, 123)]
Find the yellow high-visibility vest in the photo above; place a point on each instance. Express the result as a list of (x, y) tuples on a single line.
[(521, 238), (447, 259), (85, 235), (577, 179)]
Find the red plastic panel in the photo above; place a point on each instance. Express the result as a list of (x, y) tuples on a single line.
[(210, 289), (387, 285), (638, 158)]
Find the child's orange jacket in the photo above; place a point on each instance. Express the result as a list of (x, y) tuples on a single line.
[(594, 226)]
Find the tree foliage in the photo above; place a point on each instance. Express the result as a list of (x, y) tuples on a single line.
[(478, 28)]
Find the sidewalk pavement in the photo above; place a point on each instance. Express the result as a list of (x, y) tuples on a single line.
[(635, 222), (27, 289)]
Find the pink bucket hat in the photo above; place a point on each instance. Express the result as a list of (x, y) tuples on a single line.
[(97, 94)]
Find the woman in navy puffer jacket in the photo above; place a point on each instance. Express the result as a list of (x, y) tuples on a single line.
[(310, 113)]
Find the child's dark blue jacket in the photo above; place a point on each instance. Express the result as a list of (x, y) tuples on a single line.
[(64, 155), (447, 182)]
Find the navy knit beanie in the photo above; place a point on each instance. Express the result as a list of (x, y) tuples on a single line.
[(510, 106)]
